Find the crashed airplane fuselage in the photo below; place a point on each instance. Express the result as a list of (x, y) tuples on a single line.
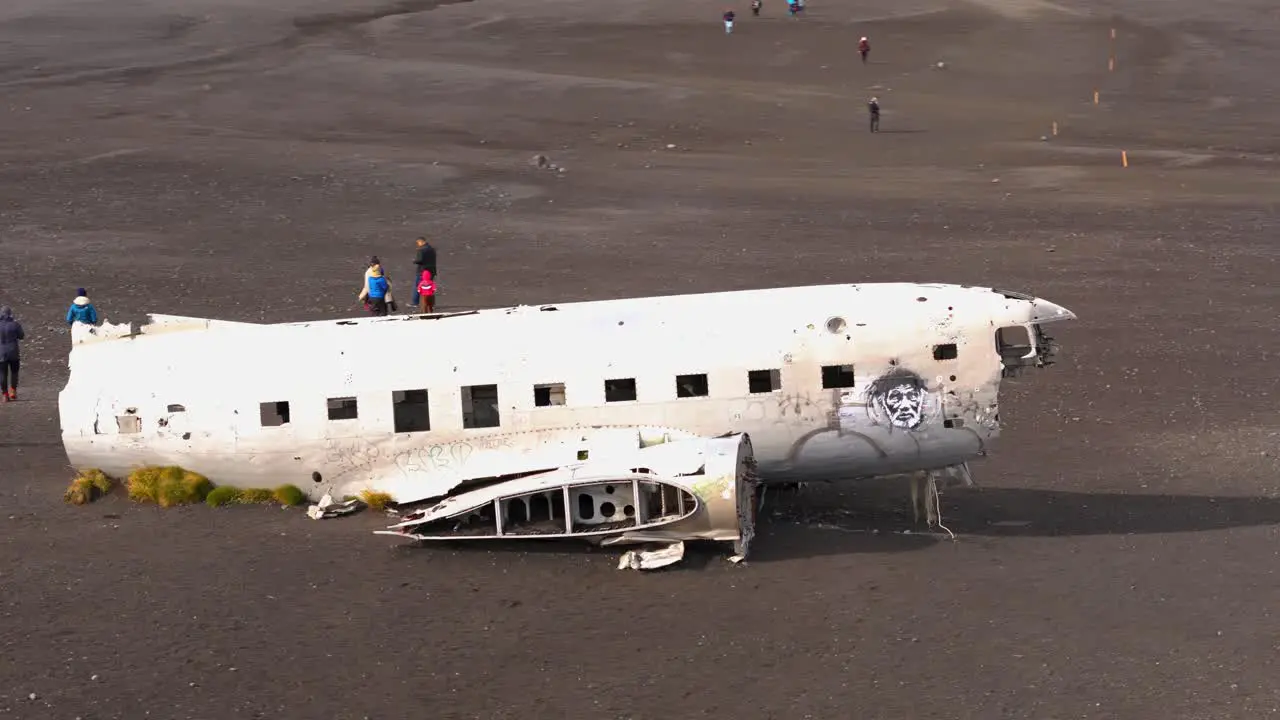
[(829, 383)]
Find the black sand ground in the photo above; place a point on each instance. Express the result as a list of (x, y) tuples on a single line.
[(241, 160)]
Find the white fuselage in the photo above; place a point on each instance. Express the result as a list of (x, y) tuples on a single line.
[(830, 382)]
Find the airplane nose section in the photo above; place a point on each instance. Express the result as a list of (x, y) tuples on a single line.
[(1043, 311)]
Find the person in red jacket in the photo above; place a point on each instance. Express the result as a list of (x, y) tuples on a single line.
[(426, 293), (864, 48)]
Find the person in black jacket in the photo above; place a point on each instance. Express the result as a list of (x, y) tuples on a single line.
[(425, 260), (874, 108), (10, 333)]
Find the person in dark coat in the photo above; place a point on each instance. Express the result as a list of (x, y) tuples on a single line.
[(10, 334), (874, 108), (425, 260)]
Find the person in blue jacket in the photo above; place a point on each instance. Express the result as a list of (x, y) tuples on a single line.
[(376, 294), (81, 310)]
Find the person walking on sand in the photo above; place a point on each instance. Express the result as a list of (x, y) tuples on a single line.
[(874, 108), (376, 293), (81, 310), (10, 334), (424, 260), (864, 48), (729, 15), (755, 7), (426, 292)]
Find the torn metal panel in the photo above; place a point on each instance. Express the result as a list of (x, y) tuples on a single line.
[(328, 508), (693, 489), (652, 559)]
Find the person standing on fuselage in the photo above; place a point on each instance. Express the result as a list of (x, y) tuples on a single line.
[(426, 293), (82, 310), (424, 260), (376, 292)]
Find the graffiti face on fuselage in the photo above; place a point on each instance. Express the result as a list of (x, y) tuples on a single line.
[(899, 395)]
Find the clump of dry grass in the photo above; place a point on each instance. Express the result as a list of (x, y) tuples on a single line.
[(168, 486), (255, 496), (374, 499), (88, 486)]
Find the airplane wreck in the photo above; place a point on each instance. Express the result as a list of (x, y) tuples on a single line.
[(644, 420)]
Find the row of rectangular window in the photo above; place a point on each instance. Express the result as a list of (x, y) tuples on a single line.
[(411, 408), (480, 402)]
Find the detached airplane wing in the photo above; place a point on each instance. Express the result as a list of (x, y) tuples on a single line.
[(691, 489)]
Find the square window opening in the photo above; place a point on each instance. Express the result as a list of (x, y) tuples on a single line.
[(548, 394), (411, 410), (1013, 342), (764, 381), (620, 390), (945, 352), (480, 407), (343, 408), (274, 414), (691, 385), (837, 376)]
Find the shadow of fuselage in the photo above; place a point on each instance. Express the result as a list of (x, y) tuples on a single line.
[(875, 517), (875, 514)]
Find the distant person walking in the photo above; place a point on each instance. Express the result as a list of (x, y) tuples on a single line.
[(793, 7), (729, 15), (874, 108), (426, 292), (864, 49), (10, 334), (376, 293), (424, 260), (82, 310), (755, 7)]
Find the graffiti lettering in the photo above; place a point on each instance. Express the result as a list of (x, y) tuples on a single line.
[(350, 456), (444, 458)]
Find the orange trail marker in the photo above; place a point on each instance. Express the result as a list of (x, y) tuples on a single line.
[(1124, 158)]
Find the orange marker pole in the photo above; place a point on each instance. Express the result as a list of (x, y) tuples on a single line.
[(1124, 158), (1095, 97)]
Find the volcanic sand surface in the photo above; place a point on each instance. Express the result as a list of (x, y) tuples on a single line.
[(241, 160)]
